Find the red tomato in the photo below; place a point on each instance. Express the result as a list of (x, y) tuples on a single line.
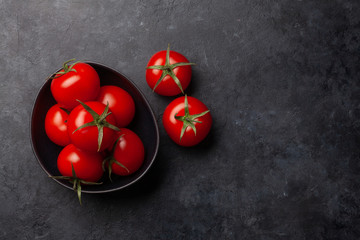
[(182, 116), (128, 151), (120, 102), (87, 137), (171, 72), (78, 82), (87, 165), (56, 126)]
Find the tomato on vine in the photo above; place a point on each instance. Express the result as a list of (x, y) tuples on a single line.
[(91, 126), (187, 121), (121, 104), (168, 73), (127, 154), (77, 81), (79, 167)]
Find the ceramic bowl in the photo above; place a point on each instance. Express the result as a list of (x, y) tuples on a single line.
[(144, 125)]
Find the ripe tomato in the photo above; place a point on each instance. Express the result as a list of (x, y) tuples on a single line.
[(128, 151), (87, 165), (120, 102), (79, 81), (187, 121), (168, 73), (56, 125), (89, 129)]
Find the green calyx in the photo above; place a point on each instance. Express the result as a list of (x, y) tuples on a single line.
[(76, 182), (99, 121), (110, 160), (167, 69), (188, 119), (66, 68), (65, 110)]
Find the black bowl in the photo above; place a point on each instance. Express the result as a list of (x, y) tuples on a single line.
[(144, 125)]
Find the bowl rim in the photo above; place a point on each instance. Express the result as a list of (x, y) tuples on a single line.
[(147, 104)]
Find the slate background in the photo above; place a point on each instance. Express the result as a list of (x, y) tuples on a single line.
[(281, 79)]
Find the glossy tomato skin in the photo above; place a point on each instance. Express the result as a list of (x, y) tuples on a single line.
[(84, 85), (87, 137), (87, 165), (129, 151), (168, 87), (173, 126), (56, 125), (121, 104)]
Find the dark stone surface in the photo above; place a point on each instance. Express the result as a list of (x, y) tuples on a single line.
[(280, 77)]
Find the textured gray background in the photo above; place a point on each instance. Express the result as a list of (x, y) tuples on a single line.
[(281, 79)]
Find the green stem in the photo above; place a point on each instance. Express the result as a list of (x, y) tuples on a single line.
[(99, 121), (168, 70), (111, 159), (66, 68), (76, 182), (188, 119)]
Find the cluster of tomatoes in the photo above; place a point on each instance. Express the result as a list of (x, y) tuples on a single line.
[(186, 119), (89, 120)]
